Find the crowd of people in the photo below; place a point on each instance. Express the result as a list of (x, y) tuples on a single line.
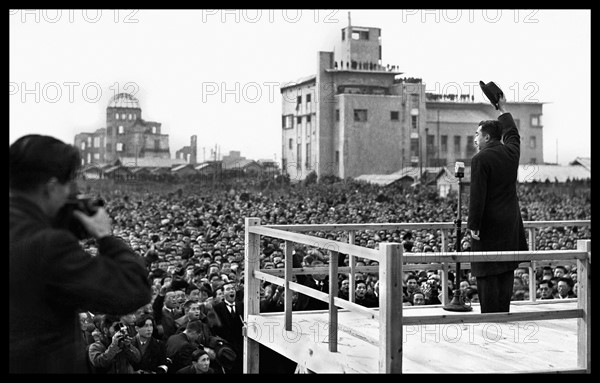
[(192, 241)]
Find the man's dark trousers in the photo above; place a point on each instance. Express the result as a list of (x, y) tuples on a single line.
[(495, 292)]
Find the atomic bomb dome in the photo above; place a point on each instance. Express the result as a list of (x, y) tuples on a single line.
[(124, 100)]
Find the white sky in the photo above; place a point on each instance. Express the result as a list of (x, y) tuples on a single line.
[(216, 73)]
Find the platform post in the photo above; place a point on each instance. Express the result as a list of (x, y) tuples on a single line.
[(333, 292), (287, 307), (584, 301), (251, 295), (390, 308)]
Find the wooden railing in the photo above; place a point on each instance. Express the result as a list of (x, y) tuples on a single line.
[(391, 266)]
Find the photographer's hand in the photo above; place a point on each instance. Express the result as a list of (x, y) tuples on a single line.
[(117, 337), (98, 225)]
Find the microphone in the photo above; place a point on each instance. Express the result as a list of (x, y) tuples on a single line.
[(459, 169)]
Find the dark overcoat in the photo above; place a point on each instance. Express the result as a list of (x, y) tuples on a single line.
[(493, 202), (51, 279)]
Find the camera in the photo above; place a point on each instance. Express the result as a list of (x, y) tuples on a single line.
[(77, 201)]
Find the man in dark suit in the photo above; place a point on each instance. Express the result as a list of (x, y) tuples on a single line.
[(230, 312), (166, 311), (494, 218), (181, 346), (48, 268), (153, 351)]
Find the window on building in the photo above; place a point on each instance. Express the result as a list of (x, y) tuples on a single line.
[(130, 116), (532, 142), (308, 119), (360, 35), (96, 142), (308, 160), (109, 147), (343, 34), (96, 156), (299, 154), (360, 115), (89, 158), (414, 122), (299, 120), (116, 116), (119, 146), (536, 120), (121, 130), (337, 115), (291, 143), (444, 143), (286, 121), (457, 144), (394, 115), (82, 145), (154, 130), (414, 147), (299, 99), (123, 116), (89, 142)]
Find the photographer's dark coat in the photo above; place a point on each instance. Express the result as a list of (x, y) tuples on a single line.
[(494, 205), (51, 279)]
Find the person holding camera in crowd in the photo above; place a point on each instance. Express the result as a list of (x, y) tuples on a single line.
[(48, 267), (113, 352), (494, 220)]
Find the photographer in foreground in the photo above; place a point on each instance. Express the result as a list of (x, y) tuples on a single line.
[(113, 351), (51, 277)]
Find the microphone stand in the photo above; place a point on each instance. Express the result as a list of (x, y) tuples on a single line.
[(458, 301)]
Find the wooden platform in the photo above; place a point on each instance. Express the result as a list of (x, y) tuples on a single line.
[(511, 347)]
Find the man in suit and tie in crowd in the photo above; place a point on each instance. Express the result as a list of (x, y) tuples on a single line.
[(230, 313), (494, 220)]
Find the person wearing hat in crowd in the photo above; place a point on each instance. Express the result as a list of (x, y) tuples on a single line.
[(494, 218), (200, 364), (50, 271)]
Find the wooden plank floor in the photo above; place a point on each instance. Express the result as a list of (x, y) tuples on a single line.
[(526, 346)]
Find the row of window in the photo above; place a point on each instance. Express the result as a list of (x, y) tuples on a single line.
[(308, 99), (361, 115), (287, 121), (125, 116), (121, 130)]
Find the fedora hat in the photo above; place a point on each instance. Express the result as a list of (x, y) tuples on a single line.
[(492, 92)]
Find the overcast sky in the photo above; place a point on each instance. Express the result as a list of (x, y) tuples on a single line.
[(217, 73)]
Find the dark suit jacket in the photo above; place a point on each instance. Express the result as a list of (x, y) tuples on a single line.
[(179, 350), (493, 205), (165, 318), (231, 326), (49, 271), (155, 355)]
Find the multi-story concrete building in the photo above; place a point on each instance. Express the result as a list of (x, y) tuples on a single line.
[(356, 116), (126, 135)]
